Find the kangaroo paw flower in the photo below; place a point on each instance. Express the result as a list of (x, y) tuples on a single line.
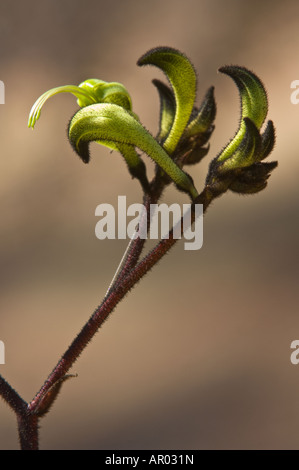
[(167, 110), (181, 74), (106, 117), (238, 167), (112, 125)]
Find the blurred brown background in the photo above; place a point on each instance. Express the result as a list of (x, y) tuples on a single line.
[(198, 355)]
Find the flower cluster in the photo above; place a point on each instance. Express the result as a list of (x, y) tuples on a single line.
[(106, 117), (239, 166)]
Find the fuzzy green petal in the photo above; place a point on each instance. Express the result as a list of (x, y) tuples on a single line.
[(268, 140), (247, 152), (254, 103), (80, 93), (112, 123), (106, 92), (181, 74), (90, 91), (167, 109), (204, 117)]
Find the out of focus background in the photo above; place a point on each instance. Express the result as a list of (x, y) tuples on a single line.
[(197, 356)]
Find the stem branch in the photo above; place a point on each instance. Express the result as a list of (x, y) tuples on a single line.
[(114, 296)]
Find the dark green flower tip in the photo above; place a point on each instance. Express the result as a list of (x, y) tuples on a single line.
[(253, 148), (182, 77), (253, 179), (253, 95), (167, 109), (268, 140), (238, 167), (243, 172), (190, 149), (254, 104), (203, 118), (192, 154)]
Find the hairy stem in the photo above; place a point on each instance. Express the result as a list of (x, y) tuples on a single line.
[(11, 397), (28, 431), (136, 245), (131, 273), (114, 296), (27, 423)]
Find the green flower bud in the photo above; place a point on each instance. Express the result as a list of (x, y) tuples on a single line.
[(238, 166), (181, 74), (254, 104)]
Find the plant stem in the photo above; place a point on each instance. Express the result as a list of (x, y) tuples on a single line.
[(28, 431), (11, 397), (131, 273), (136, 245), (114, 296), (27, 422)]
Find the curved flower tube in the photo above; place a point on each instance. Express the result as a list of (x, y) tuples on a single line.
[(181, 74), (239, 166), (79, 93), (254, 104), (90, 91), (110, 124)]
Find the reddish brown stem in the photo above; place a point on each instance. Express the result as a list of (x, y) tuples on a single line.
[(11, 397), (27, 414), (138, 243), (113, 297), (27, 423), (28, 431)]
